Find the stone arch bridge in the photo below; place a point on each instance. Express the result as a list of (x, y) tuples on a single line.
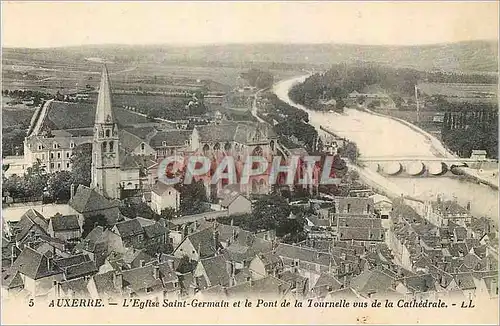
[(424, 166)]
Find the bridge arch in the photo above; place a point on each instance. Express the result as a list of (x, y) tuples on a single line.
[(391, 168), (415, 168)]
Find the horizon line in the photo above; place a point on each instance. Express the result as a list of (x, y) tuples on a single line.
[(207, 44)]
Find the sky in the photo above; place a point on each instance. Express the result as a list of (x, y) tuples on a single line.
[(49, 24)]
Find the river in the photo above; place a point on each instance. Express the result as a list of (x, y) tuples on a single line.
[(382, 136)]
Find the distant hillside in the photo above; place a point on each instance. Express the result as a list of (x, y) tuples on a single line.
[(473, 56)]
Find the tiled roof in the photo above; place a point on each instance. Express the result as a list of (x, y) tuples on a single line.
[(65, 223), (141, 278), (88, 200), (81, 269), (465, 281), (170, 138), (361, 234), (372, 281), (204, 242), (267, 286), (448, 208), (129, 228), (34, 265), (420, 283), (62, 142), (105, 283), (72, 260), (128, 141), (77, 287), (229, 196), (216, 271), (303, 254), (241, 132), (160, 188), (155, 230), (31, 220)]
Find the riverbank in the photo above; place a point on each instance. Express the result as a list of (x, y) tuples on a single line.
[(378, 135)]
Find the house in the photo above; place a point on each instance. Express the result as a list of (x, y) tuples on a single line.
[(164, 196), (325, 284), (382, 206), (307, 261), (76, 266), (87, 202), (66, 227), (373, 281), (214, 271), (235, 202), (269, 287), (30, 225), (201, 244), (140, 232), (145, 281), (479, 154), (106, 285), (354, 205), (130, 232), (32, 272), (99, 243)]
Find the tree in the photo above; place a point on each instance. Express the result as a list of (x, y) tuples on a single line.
[(193, 197), (168, 213), (81, 162), (153, 248), (59, 185), (92, 221)]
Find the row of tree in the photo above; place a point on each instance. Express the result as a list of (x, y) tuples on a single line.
[(258, 78), (342, 79), (464, 131)]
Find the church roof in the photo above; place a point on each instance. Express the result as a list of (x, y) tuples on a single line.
[(88, 200), (104, 111)]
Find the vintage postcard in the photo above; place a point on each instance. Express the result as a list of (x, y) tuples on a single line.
[(251, 162)]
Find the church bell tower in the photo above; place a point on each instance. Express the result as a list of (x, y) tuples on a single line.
[(105, 153)]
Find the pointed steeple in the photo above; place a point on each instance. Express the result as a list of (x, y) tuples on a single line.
[(104, 110)]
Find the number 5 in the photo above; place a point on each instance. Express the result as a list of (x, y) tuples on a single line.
[(31, 303)]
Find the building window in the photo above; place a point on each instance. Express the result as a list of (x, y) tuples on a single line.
[(163, 143), (104, 147), (149, 290), (111, 145), (54, 145), (348, 208), (51, 155), (58, 155), (51, 165), (71, 145), (43, 156), (140, 237), (67, 154), (39, 147), (142, 147), (107, 133), (67, 165)]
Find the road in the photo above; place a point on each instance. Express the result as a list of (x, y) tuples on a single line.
[(254, 105)]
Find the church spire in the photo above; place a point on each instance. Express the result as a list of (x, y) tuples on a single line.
[(104, 110)]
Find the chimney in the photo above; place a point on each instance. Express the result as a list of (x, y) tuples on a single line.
[(216, 240), (72, 191), (118, 280), (156, 272), (12, 254), (49, 264), (57, 289)]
